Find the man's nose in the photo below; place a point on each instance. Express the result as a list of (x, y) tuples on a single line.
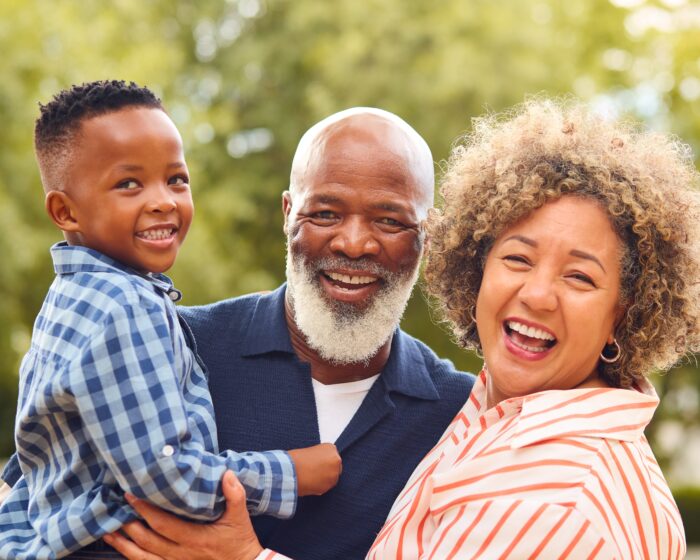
[(355, 239), (161, 199), (539, 291)]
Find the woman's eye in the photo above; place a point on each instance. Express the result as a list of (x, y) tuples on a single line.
[(519, 259), (180, 180), (582, 278), (128, 185)]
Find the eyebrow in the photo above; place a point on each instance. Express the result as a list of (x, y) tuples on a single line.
[(574, 252), (325, 199), (129, 167)]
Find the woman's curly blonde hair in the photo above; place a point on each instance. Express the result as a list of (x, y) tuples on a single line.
[(514, 163)]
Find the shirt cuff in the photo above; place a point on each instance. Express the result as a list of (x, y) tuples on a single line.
[(279, 497), (268, 554)]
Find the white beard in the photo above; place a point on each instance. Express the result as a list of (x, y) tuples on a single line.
[(340, 332)]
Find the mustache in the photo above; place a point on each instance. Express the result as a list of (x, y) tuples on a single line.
[(362, 264)]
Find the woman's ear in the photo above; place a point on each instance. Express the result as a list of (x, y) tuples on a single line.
[(619, 316), (60, 209)]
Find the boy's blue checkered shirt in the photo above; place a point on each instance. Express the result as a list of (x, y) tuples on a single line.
[(112, 399)]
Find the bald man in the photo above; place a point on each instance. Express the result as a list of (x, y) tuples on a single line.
[(322, 358)]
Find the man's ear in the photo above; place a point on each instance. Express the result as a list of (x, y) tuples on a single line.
[(60, 209), (286, 209)]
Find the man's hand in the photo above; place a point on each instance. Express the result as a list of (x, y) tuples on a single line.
[(318, 468), (231, 537)]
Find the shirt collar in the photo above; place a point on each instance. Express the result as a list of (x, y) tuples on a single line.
[(607, 413), (405, 372), (69, 259)]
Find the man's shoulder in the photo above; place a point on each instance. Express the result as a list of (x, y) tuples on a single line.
[(443, 372), (226, 312)]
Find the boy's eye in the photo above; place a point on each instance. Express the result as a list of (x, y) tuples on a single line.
[(180, 180), (128, 185)]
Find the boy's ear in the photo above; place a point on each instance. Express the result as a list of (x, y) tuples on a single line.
[(59, 207)]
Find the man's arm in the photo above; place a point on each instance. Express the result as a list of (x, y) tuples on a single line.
[(231, 537)]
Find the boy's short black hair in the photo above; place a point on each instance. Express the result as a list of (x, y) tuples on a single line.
[(61, 117)]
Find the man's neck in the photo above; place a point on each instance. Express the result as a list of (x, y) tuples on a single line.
[(325, 371)]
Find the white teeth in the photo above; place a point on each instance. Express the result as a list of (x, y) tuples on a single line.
[(529, 331), (530, 348), (155, 234), (351, 279)]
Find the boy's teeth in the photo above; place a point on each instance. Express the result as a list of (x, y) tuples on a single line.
[(154, 234), (350, 279), (529, 331)]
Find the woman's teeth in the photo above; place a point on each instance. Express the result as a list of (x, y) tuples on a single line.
[(346, 279), (155, 234), (529, 331)]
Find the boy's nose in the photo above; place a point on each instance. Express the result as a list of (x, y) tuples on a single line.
[(162, 201)]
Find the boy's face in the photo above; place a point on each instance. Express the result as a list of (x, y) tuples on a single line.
[(128, 188)]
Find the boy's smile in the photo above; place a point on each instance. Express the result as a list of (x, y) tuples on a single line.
[(127, 188)]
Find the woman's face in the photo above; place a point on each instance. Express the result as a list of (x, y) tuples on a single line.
[(549, 299)]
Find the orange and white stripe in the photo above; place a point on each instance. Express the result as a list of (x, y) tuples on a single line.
[(555, 474)]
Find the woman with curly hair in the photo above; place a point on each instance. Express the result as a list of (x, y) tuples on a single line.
[(566, 254)]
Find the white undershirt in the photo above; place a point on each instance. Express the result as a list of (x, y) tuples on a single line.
[(337, 404)]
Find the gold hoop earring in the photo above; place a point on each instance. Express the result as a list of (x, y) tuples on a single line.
[(617, 355)]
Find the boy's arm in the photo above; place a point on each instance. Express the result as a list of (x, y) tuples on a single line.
[(126, 390)]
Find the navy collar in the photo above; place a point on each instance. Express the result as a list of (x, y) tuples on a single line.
[(69, 259), (406, 371)]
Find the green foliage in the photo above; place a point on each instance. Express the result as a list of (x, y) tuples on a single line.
[(688, 501), (243, 80)]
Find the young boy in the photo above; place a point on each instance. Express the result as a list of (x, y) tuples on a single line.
[(112, 396)]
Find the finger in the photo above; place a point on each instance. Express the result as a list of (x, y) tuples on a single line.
[(149, 541), (235, 500), (162, 522), (237, 518), (127, 548)]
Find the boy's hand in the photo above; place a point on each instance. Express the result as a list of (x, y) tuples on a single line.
[(318, 468)]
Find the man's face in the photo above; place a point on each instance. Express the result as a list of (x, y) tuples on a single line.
[(129, 188), (353, 226)]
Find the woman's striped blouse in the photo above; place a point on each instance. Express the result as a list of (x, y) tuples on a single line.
[(555, 474)]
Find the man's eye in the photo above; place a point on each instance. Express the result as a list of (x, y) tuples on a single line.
[(390, 222), (179, 180), (128, 185), (324, 215)]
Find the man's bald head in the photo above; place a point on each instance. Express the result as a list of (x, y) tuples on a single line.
[(374, 128)]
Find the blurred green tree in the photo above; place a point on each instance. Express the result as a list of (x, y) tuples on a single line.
[(243, 79)]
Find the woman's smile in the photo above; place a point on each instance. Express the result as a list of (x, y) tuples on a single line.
[(549, 299), (527, 340)]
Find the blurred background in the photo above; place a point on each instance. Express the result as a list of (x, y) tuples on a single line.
[(243, 79)]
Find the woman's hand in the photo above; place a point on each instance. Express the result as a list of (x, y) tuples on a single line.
[(231, 537)]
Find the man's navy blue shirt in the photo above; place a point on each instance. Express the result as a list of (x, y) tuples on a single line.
[(263, 399)]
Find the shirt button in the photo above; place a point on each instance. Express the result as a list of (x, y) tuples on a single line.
[(167, 451), (173, 295)]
